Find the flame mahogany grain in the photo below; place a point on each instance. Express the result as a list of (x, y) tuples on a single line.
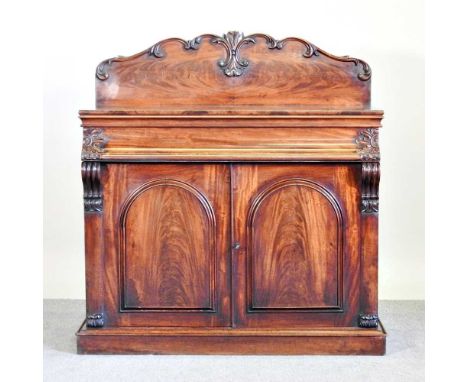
[(193, 77), (231, 201)]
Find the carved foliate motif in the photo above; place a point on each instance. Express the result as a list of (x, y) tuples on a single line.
[(102, 69), (368, 144), (233, 65), (95, 320), (370, 187), (94, 142), (91, 176), (156, 49), (368, 320)]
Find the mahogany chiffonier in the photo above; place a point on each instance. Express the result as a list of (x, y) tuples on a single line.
[(231, 201)]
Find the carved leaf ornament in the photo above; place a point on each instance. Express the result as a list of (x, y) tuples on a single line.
[(94, 142), (368, 144), (234, 65)]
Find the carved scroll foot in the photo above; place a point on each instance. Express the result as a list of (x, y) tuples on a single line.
[(368, 320), (95, 320)]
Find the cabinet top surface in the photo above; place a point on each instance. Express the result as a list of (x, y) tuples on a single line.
[(233, 74)]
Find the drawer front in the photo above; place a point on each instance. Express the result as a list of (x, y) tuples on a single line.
[(296, 250), (332, 141)]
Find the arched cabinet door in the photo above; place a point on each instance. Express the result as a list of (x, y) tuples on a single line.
[(295, 253), (170, 250)]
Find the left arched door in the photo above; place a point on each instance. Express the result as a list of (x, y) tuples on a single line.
[(170, 257)]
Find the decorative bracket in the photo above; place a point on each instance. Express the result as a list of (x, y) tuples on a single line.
[(368, 144), (91, 176), (234, 65), (94, 142), (368, 320), (95, 320), (370, 187)]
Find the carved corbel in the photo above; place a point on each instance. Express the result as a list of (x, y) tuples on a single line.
[(91, 176), (370, 187), (367, 144)]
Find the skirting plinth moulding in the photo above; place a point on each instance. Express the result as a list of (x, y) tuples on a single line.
[(368, 148)]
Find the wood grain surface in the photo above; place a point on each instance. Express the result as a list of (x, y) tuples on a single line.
[(295, 244), (166, 245), (168, 236), (297, 264), (231, 201), (193, 76)]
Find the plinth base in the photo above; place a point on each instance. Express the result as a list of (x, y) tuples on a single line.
[(142, 340)]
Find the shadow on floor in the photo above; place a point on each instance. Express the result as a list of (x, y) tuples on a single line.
[(62, 318), (403, 321)]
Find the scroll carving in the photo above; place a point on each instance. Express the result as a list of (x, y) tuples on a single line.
[(102, 69), (368, 144), (91, 176), (368, 320), (94, 142), (233, 65), (370, 187), (95, 320)]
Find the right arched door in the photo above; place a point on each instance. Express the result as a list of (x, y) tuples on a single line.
[(295, 245)]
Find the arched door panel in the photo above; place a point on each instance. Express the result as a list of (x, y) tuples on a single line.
[(167, 252), (294, 248), (167, 248), (296, 245)]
